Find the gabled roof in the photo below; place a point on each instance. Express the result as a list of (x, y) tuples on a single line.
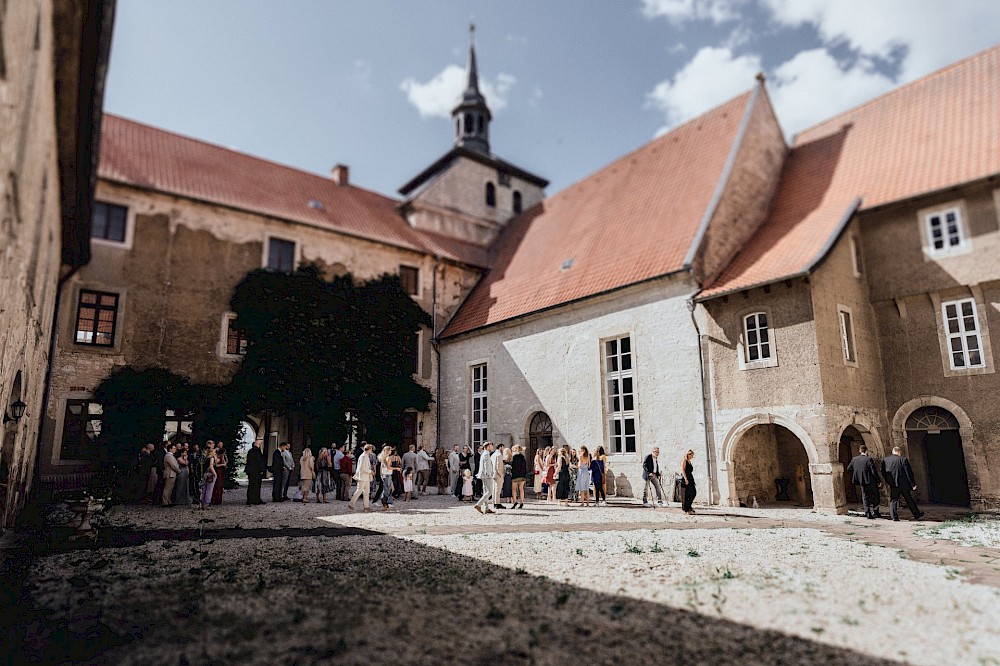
[(632, 221), (937, 132), (149, 158), (489, 160)]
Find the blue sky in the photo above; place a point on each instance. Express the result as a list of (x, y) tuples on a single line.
[(573, 84)]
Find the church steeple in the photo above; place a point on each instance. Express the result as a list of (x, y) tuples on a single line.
[(472, 116)]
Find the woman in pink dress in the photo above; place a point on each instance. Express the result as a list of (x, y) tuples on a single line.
[(220, 469), (550, 473)]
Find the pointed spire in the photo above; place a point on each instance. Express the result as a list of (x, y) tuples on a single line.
[(472, 115), (471, 68)]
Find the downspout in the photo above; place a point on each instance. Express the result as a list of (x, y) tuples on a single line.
[(705, 409), (437, 353)]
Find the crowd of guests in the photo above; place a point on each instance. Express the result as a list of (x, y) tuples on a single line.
[(179, 473), (489, 476)]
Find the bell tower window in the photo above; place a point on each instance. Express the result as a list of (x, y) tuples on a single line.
[(517, 202), (491, 195), (468, 123)]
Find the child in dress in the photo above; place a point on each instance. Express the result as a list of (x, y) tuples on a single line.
[(467, 486), (407, 483)]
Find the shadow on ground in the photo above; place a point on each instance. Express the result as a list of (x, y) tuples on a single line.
[(284, 597)]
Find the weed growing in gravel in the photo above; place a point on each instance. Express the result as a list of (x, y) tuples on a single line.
[(632, 548), (727, 574), (694, 553), (656, 547), (579, 551)]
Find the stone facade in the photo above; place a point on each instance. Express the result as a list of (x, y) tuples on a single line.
[(44, 92), (174, 275)]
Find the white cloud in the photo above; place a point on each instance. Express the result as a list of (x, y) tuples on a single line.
[(932, 33), (713, 76), (679, 11), (919, 36), (438, 96), (812, 86)]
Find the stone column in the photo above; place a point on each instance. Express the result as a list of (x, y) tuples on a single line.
[(826, 479)]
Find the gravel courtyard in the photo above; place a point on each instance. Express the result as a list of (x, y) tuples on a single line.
[(435, 582)]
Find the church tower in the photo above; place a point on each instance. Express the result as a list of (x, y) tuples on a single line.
[(472, 116), (469, 194)]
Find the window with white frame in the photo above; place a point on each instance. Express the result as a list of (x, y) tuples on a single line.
[(480, 410), (944, 231), (620, 384), (757, 337), (856, 262), (847, 334), (965, 343)]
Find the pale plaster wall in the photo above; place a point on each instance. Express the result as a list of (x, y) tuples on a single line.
[(552, 362)]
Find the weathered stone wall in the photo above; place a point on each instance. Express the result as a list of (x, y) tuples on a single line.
[(907, 289), (453, 203), (30, 223), (176, 273), (748, 190), (553, 362)]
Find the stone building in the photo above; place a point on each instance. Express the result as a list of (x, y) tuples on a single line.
[(179, 222), (53, 59), (861, 309)]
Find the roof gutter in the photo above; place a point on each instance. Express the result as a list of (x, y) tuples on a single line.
[(727, 171), (816, 261)]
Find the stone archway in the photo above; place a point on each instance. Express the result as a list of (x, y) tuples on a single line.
[(912, 444), (786, 451)]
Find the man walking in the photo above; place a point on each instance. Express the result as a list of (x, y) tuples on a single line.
[(864, 474), (289, 464), (171, 468), (898, 474), (651, 475), (364, 478), (423, 471), (454, 469), (255, 469), (278, 474), (486, 477)]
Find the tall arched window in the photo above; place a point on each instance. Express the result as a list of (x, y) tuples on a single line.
[(758, 338), (491, 195), (469, 127), (482, 123), (517, 202)]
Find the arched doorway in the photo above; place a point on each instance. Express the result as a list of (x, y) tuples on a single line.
[(936, 455), (767, 459), (850, 443), (539, 436)]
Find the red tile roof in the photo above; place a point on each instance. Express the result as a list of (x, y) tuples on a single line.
[(937, 132), (633, 220), (146, 157)]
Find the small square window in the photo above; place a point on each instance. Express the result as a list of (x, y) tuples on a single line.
[(281, 255), (96, 317), (944, 231), (108, 221), (236, 339), (410, 277)]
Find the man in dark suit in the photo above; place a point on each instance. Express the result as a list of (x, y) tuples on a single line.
[(864, 474), (255, 469), (898, 474), (278, 475), (651, 475)]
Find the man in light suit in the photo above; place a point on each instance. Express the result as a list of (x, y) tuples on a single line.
[(170, 471), (864, 474), (486, 475), (499, 472), (454, 470), (898, 474), (363, 476), (651, 475)]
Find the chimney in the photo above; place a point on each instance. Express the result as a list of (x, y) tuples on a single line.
[(341, 174)]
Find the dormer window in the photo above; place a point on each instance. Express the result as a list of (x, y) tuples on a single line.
[(491, 195), (517, 202)]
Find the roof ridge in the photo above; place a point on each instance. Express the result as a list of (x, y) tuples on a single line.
[(896, 90), (244, 153)]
